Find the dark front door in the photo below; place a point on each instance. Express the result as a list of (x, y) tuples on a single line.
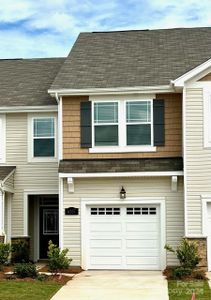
[(49, 228)]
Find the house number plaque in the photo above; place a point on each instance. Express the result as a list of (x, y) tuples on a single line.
[(71, 211)]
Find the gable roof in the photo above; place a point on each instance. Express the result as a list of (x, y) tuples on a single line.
[(5, 171), (24, 82), (133, 58)]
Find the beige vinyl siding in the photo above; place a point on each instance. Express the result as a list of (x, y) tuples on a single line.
[(135, 187), (28, 176), (198, 160)]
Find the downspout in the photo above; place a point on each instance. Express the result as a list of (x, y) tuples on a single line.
[(2, 232)]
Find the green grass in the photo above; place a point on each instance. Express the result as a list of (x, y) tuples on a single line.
[(182, 290), (11, 290)]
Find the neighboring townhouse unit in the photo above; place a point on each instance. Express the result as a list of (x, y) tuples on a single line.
[(28, 150), (108, 152)]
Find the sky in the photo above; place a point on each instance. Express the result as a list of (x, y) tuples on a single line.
[(48, 28)]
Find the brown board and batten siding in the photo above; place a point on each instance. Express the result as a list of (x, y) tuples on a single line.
[(173, 130)]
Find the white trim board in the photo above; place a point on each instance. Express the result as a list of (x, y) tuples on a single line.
[(121, 174), (115, 201), (110, 91), (180, 81), (16, 109)]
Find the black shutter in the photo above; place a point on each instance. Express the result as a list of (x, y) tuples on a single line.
[(159, 124), (86, 125)]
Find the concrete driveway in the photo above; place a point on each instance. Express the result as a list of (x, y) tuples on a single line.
[(115, 285)]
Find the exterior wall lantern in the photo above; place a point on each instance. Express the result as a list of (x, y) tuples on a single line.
[(122, 193)]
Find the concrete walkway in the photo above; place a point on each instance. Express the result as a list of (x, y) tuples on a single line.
[(115, 285)]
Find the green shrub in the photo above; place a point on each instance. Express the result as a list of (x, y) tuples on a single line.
[(42, 277), (187, 254), (4, 254), (58, 260), (181, 272), (20, 252), (24, 270)]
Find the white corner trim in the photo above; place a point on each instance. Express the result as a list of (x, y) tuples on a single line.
[(112, 201), (118, 149), (61, 213), (110, 91), (184, 160), (180, 81), (205, 200), (121, 174), (16, 109), (60, 130)]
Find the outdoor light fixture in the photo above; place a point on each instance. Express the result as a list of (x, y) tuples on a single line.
[(122, 193)]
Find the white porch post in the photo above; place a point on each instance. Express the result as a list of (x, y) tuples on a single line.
[(1, 212)]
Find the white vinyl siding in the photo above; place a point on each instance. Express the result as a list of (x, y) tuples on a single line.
[(2, 138), (33, 176), (135, 187), (198, 160)]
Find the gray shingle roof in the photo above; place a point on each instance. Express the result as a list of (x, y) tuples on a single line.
[(24, 82), (121, 165), (5, 170), (133, 58)]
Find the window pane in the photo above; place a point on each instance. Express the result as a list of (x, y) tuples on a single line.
[(106, 135), (106, 112), (43, 147), (139, 111), (139, 134), (44, 127)]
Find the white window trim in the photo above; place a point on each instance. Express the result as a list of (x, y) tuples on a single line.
[(31, 157), (122, 129), (3, 142), (86, 202), (207, 118)]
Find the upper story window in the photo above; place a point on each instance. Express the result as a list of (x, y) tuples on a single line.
[(106, 124), (2, 138), (42, 137), (139, 122), (122, 125)]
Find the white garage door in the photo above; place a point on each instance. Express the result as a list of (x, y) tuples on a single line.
[(124, 237)]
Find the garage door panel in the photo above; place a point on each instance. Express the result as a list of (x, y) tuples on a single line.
[(141, 227), (148, 252), (105, 243), (142, 260), (99, 261), (106, 227), (142, 243)]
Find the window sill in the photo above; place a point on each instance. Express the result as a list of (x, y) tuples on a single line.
[(122, 149)]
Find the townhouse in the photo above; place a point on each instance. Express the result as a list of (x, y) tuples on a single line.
[(116, 163)]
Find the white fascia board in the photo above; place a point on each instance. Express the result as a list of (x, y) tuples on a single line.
[(112, 91), (121, 174), (180, 81), (15, 109)]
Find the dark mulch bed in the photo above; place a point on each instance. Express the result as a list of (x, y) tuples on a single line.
[(71, 270)]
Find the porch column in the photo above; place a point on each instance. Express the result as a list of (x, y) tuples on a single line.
[(1, 213)]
